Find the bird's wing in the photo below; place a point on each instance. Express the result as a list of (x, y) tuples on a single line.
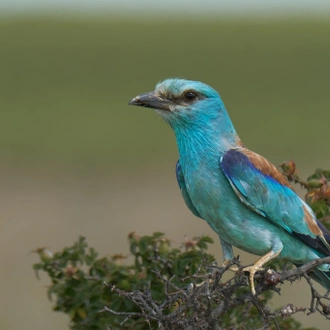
[(261, 187), (184, 192)]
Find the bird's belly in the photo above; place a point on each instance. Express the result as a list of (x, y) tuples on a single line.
[(234, 222), (238, 225)]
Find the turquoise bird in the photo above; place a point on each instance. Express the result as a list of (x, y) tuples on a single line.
[(240, 194)]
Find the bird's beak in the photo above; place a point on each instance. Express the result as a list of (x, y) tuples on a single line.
[(152, 100)]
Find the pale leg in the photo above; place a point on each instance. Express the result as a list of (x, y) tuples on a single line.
[(258, 266)]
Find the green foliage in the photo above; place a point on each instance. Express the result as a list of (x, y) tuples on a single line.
[(78, 277), (318, 190), (170, 287), (318, 195)]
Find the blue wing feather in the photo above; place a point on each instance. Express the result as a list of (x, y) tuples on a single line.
[(269, 198)]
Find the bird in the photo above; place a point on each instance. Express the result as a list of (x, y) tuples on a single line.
[(241, 195)]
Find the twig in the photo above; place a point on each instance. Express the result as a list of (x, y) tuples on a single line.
[(204, 305)]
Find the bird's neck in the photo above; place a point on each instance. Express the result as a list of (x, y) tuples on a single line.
[(204, 142)]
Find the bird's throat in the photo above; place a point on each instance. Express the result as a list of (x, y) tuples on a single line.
[(200, 147)]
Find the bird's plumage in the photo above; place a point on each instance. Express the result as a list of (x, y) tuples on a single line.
[(261, 187), (184, 192), (241, 195)]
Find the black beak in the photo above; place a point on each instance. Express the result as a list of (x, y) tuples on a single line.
[(152, 100)]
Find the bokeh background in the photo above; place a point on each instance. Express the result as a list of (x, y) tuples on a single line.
[(75, 159)]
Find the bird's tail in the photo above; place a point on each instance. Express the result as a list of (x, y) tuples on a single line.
[(321, 277)]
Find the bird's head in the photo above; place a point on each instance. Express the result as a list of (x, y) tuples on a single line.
[(183, 102)]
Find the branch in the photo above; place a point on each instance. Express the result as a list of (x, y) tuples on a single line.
[(302, 270), (205, 305)]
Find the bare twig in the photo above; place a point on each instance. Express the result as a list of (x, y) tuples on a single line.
[(202, 306)]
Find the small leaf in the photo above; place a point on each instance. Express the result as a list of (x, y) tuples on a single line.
[(157, 235), (133, 248), (314, 183), (143, 244), (320, 208), (326, 174)]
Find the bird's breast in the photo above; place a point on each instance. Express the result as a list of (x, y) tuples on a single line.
[(207, 188)]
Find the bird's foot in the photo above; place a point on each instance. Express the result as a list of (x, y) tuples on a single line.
[(201, 287), (205, 285), (233, 268), (252, 270), (258, 266)]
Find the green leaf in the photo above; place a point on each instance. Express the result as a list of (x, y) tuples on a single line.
[(326, 174), (320, 208), (143, 244), (157, 235)]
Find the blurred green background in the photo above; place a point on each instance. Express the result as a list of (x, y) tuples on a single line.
[(77, 160)]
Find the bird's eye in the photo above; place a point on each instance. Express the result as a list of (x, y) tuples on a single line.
[(190, 96)]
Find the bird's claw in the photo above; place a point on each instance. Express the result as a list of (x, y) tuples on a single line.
[(201, 287), (252, 270), (233, 268), (258, 266)]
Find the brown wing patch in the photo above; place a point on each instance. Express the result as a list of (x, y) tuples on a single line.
[(265, 166), (239, 143), (311, 223)]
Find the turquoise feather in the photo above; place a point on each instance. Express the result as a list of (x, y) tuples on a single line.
[(249, 206)]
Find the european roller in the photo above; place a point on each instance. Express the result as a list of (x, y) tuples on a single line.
[(240, 194)]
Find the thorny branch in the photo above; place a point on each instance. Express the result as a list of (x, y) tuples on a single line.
[(202, 306)]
